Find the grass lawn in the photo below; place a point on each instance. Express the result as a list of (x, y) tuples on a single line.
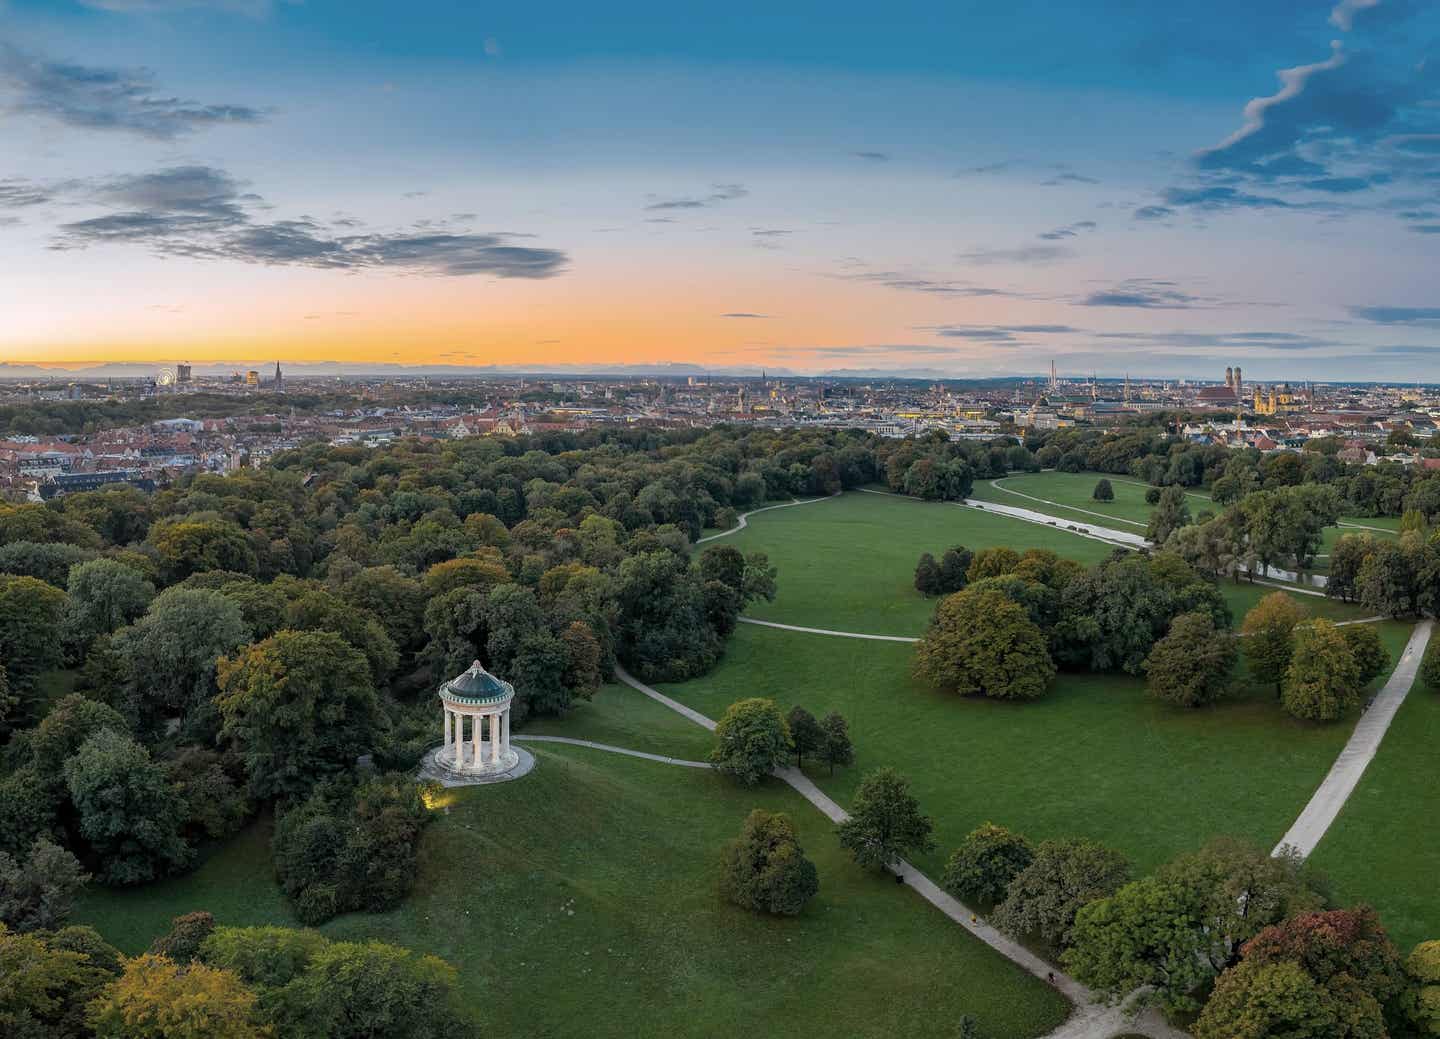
[(1384, 848), (581, 900), (848, 563), (1097, 757), (622, 717)]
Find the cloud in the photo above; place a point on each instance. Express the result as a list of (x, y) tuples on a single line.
[(1342, 15), (719, 193), (930, 286), (203, 213), (1220, 197), (1027, 254), (16, 194), (1397, 315), (1153, 213), (1068, 231), (492, 48), (253, 8), (104, 99), (1068, 178), (745, 314), (1285, 341), (872, 156), (1143, 293), (998, 334)]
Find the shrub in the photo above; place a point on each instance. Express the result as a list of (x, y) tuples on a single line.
[(187, 933), (765, 868), (1103, 491)]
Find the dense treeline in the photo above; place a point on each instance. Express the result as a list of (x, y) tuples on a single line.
[(64, 417)]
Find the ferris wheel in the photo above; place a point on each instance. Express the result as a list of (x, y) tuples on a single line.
[(165, 377)]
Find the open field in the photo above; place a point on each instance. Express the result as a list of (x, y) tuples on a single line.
[(581, 900), (1384, 848), (1096, 757), (848, 563)]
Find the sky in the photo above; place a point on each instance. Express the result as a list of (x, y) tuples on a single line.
[(967, 189)]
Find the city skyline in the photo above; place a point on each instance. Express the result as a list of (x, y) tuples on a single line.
[(964, 193)]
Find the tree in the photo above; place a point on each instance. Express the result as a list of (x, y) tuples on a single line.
[(298, 707), (30, 617), (1430, 666), (187, 933), (1171, 513), (1263, 1000), (992, 562), (1191, 665), (583, 657), (1386, 581), (980, 870), (837, 748), (46, 985), (885, 821), (172, 651), (1269, 630), (927, 575), (981, 642), (1422, 1007), (191, 546), (46, 561), (1323, 680), (1103, 491), (954, 569), (1347, 556), (1371, 657), (397, 601), (751, 740), (156, 998), (765, 869), (1112, 614), (130, 815), (1175, 931), (1064, 875), (8, 701), (38, 893), (103, 595), (1327, 975), (806, 735)]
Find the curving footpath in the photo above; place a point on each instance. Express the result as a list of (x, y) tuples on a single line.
[(828, 631), (741, 523), (1359, 751), (615, 750), (1090, 1020)]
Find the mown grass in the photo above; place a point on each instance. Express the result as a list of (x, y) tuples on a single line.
[(581, 900), (1384, 848)]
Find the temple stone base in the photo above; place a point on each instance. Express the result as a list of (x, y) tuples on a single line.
[(439, 766)]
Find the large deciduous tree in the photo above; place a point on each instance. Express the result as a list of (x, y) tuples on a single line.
[(751, 739), (1323, 680), (1192, 664), (129, 813), (1171, 513), (765, 868), (1269, 630), (981, 642), (837, 748), (885, 821), (980, 870), (298, 707), (30, 615), (104, 594), (1064, 875)]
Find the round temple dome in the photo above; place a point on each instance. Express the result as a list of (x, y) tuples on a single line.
[(476, 686)]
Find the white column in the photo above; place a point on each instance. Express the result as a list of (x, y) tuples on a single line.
[(446, 712), (475, 739), (459, 739), (495, 738), (505, 729)]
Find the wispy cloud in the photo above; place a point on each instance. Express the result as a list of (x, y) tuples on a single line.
[(201, 212), (719, 193), (1025, 254), (745, 314), (1397, 315), (1143, 293), (92, 98), (872, 156), (1068, 231), (930, 286), (16, 194)]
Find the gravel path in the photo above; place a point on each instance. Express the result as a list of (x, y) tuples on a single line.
[(827, 631), (614, 750), (741, 524), (1340, 782)]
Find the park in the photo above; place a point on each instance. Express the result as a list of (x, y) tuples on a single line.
[(585, 888)]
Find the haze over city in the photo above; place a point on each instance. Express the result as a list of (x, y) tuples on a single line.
[(944, 190)]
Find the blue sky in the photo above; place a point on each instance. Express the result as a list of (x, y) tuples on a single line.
[(966, 188)]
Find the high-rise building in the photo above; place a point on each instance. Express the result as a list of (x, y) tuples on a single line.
[(1239, 382), (252, 378), (1229, 378), (182, 373)]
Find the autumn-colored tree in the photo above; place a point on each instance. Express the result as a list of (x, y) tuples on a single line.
[(1323, 680), (156, 998), (982, 642), (1269, 630)]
